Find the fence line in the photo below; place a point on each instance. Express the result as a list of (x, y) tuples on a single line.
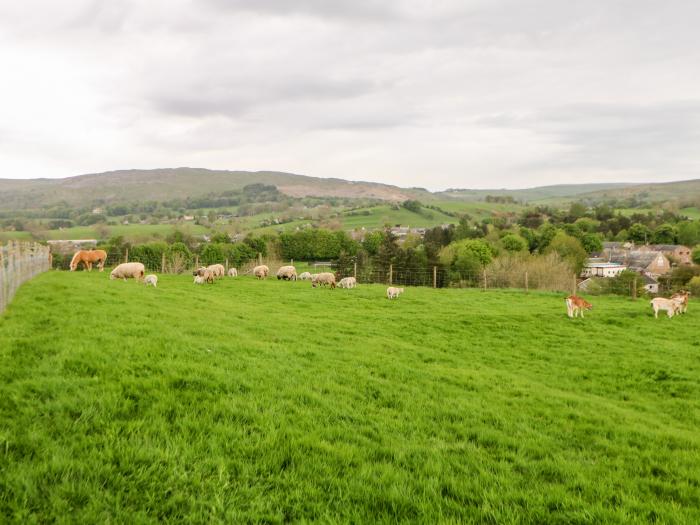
[(19, 262)]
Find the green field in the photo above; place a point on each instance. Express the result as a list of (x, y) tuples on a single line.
[(131, 232), (691, 213), (273, 402)]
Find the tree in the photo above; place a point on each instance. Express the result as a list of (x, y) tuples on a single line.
[(696, 255), (689, 233), (592, 243), (467, 255), (412, 205), (638, 233), (569, 249), (514, 243), (665, 234)]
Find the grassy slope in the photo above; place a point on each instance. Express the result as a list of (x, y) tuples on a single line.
[(252, 401)]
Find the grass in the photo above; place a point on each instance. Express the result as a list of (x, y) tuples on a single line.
[(692, 212), (251, 401)]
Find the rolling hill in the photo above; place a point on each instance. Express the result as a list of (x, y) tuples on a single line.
[(163, 184)]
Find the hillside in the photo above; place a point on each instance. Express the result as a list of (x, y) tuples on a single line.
[(532, 194), (163, 184), (293, 404), (658, 192)]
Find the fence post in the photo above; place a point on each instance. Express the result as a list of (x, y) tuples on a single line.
[(391, 273), (575, 286), (226, 266), (196, 261), (291, 262), (527, 284), (126, 255), (162, 263), (485, 283), (434, 276), (354, 270), (259, 258), (634, 289)]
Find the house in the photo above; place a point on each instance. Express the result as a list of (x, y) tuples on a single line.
[(599, 268), (651, 285), (676, 252), (653, 263), (402, 232)]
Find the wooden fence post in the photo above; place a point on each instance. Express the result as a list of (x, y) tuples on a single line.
[(391, 274), (259, 258), (485, 283), (527, 284), (434, 276), (196, 261), (574, 286), (634, 289), (227, 266), (354, 270), (162, 263), (126, 255)]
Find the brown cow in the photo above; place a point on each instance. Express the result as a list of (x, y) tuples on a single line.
[(576, 305)]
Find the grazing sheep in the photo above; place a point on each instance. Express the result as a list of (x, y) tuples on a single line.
[(132, 270), (217, 270), (322, 279), (204, 273), (393, 293), (671, 306), (261, 272), (288, 273), (232, 272), (151, 280), (306, 276), (347, 282), (198, 279)]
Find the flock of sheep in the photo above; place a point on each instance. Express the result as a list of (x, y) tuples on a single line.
[(207, 274)]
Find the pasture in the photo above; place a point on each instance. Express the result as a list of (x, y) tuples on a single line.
[(248, 401)]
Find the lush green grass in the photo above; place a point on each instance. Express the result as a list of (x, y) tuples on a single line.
[(691, 213), (272, 401), (380, 216)]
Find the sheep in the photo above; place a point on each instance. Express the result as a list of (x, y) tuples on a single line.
[(288, 273), (261, 271), (671, 306), (217, 270), (393, 293), (151, 280), (306, 276), (347, 282), (232, 272), (198, 279), (204, 273), (132, 270), (322, 279)]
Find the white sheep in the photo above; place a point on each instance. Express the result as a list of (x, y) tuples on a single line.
[(151, 280), (306, 276), (347, 282), (217, 270), (132, 270), (393, 293), (232, 272), (288, 273), (198, 279), (322, 279), (261, 272)]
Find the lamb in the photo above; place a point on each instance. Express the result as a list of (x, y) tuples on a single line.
[(306, 276), (322, 279), (217, 270), (232, 272), (132, 270), (261, 272), (671, 306), (204, 273), (393, 293), (288, 273), (151, 280), (347, 282), (198, 279)]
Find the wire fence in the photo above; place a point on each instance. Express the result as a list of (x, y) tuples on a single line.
[(373, 271), (19, 262)]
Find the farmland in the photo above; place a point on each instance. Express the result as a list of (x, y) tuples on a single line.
[(270, 401)]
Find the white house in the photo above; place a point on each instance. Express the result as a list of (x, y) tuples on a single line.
[(595, 268)]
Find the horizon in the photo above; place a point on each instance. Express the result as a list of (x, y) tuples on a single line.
[(468, 94)]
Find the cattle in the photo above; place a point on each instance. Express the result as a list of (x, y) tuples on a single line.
[(669, 305)]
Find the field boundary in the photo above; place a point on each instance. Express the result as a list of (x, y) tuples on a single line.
[(19, 262)]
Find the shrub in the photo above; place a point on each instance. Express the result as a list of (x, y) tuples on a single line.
[(151, 254), (514, 243), (569, 249), (545, 272), (694, 286)]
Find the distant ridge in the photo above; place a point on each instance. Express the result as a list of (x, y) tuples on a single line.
[(133, 185)]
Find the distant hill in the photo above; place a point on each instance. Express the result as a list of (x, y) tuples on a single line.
[(164, 184)]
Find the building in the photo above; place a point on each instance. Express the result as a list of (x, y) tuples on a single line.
[(653, 263), (598, 268), (676, 252)]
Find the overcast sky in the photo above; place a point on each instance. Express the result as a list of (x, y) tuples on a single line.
[(453, 93)]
